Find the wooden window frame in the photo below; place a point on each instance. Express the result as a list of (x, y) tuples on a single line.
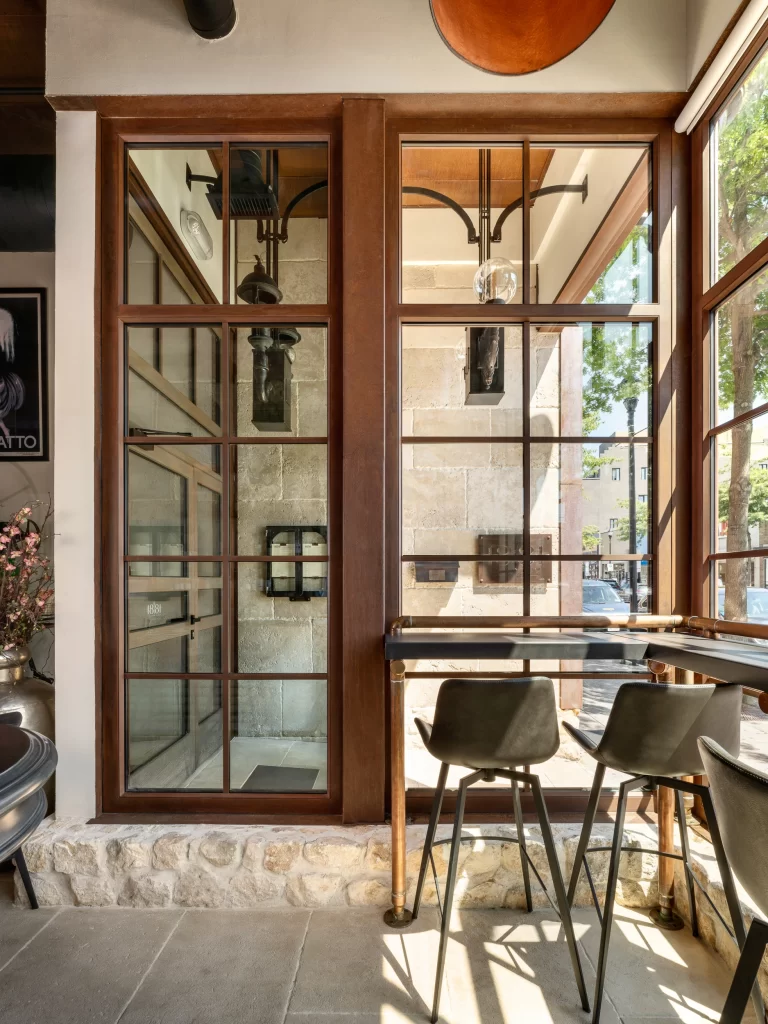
[(706, 297), (363, 316), (114, 799)]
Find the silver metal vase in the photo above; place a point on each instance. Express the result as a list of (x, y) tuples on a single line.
[(32, 697)]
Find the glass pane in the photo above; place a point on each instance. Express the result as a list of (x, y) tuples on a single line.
[(277, 634), (282, 381), (149, 609), (444, 390), (741, 472), (453, 587), (453, 493), (279, 223), (146, 654), (440, 252), (277, 485), (279, 735), (739, 172), (741, 337), (591, 237), (174, 732), (172, 212), (582, 498), (174, 624), (165, 485), (742, 589), (592, 588), (143, 263), (174, 381), (591, 380)]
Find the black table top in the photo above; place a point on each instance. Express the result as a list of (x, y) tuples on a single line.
[(733, 661), (568, 646)]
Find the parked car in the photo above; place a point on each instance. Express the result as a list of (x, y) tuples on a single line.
[(757, 604), (600, 596)]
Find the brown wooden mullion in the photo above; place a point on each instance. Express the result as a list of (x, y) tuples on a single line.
[(534, 439), (719, 556), (163, 440), (227, 601), (527, 557), (752, 414), (464, 313)]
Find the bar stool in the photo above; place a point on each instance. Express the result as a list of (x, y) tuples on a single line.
[(491, 726), (651, 735), (740, 796)]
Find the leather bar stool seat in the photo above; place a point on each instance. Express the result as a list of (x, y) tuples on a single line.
[(652, 735), (740, 796), (492, 726)]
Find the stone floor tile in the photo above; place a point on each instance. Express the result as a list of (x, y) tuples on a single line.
[(354, 964), (386, 1015), (84, 966), (223, 966), (18, 926), (508, 966), (656, 973)]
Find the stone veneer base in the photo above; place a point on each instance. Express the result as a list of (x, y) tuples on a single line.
[(238, 866)]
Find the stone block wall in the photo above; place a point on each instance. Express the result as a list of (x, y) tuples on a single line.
[(242, 866)]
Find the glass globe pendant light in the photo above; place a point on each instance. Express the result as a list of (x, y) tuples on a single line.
[(496, 281)]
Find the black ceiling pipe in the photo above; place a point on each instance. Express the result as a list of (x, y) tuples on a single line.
[(27, 203), (211, 19)]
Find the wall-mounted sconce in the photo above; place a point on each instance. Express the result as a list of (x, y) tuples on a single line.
[(500, 573), (273, 357), (437, 572), (196, 235), (298, 581)]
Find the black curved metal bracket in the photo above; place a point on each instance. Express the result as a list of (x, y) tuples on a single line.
[(548, 190), (263, 234), (414, 190), (283, 236)]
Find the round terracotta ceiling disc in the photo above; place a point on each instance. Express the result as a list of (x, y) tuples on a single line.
[(516, 37)]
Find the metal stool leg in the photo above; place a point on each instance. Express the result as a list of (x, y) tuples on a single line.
[(610, 896), (450, 884), (521, 843), (687, 866), (731, 896), (434, 818), (21, 865), (746, 973), (589, 821), (559, 887)]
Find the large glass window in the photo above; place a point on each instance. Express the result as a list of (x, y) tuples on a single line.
[(527, 437), (225, 494), (736, 365), (739, 172)]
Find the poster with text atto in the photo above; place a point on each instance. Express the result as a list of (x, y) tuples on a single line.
[(23, 375)]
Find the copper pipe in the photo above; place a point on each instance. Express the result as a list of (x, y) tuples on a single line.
[(727, 627), (397, 916), (537, 621)]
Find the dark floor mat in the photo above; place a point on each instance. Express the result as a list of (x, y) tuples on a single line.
[(267, 778)]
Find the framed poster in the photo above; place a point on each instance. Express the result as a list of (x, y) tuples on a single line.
[(23, 375)]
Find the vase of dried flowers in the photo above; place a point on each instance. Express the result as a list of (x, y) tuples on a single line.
[(25, 595)]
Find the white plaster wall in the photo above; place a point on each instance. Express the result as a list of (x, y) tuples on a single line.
[(146, 46), (705, 22), (74, 474)]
